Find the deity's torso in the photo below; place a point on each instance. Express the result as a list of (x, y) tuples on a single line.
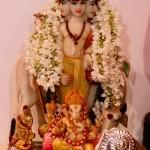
[(69, 48), (75, 130)]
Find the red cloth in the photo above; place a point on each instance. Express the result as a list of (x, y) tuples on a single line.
[(88, 41)]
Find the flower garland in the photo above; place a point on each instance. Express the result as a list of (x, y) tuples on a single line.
[(43, 56), (106, 56)]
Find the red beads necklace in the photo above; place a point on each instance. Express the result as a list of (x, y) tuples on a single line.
[(75, 37)]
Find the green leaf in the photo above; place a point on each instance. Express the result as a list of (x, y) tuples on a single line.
[(126, 67)]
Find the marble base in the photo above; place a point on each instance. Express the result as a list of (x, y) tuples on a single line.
[(37, 145)]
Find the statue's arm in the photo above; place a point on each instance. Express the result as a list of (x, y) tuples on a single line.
[(59, 128)]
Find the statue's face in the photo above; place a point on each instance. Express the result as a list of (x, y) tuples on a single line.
[(91, 8), (78, 7), (74, 111), (64, 8)]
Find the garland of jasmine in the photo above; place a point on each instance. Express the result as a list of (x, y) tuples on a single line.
[(43, 56), (106, 56)]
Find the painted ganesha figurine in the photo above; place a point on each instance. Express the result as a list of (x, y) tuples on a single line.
[(73, 129)]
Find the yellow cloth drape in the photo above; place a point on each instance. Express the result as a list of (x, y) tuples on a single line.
[(74, 67)]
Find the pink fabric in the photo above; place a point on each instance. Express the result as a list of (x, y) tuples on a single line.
[(47, 142)]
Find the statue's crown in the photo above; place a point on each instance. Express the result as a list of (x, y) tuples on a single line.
[(74, 97)]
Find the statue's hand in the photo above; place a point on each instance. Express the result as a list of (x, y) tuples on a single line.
[(56, 131), (79, 126), (92, 136), (66, 79)]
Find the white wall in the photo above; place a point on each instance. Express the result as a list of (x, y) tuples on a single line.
[(16, 18)]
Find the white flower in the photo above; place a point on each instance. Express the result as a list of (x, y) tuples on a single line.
[(43, 57)]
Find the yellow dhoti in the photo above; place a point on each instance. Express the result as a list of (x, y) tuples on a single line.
[(74, 68)]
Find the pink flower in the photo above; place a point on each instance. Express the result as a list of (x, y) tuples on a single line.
[(47, 142)]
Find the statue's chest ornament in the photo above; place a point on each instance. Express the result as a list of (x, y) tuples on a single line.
[(75, 37)]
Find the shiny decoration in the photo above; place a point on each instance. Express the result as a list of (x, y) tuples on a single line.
[(23, 133), (116, 139)]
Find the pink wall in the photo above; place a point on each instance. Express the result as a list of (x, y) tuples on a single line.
[(16, 18), (135, 16)]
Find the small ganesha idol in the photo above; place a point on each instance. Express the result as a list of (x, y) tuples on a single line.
[(72, 130)]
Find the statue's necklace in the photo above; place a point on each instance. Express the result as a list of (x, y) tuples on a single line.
[(75, 38)]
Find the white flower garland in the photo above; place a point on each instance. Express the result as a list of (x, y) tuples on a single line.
[(43, 56), (106, 54)]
